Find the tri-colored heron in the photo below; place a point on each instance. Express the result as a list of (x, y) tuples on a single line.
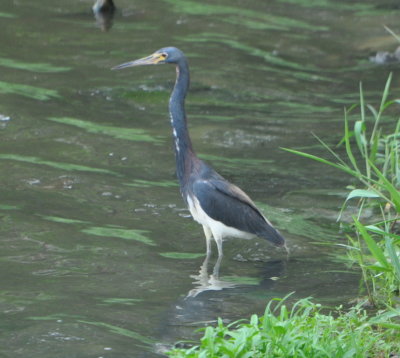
[(222, 208)]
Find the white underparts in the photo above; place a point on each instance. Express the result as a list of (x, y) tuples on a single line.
[(218, 229)]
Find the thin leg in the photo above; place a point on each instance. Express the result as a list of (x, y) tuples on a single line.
[(208, 234), (216, 267), (287, 250), (218, 240)]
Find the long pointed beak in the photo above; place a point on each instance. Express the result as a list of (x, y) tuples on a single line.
[(153, 59)]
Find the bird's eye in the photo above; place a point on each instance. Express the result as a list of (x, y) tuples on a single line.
[(163, 56)]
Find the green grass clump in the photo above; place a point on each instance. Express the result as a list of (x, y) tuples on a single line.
[(372, 158), (304, 331)]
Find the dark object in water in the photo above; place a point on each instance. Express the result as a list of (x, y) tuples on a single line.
[(103, 6), (104, 12), (385, 57)]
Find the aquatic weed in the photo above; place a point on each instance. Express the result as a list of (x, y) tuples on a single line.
[(302, 331)]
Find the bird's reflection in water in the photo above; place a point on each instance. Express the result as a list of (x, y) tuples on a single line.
[(104, 11), (202, 305), (206, 282), (212, 282)]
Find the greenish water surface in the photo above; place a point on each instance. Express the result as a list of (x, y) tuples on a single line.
[(99, 257)]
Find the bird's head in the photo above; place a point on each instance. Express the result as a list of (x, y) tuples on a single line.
[(161, 56)]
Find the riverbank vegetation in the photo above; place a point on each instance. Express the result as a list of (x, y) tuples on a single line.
[(370, 328), (302, 331), (372, 147)]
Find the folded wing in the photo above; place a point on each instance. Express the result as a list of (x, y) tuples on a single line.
[(226, 203)]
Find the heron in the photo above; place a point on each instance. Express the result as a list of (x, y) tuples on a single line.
[(222, 208)]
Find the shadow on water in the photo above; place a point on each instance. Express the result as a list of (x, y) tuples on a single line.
[(99, 256)]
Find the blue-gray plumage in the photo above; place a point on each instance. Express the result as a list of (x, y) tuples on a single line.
[(222, 208)]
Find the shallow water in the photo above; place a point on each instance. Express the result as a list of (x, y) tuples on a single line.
[(98, 252)]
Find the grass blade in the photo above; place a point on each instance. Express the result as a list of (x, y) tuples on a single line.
[(392, 33), (393, 257), (372, 246), (361, 193), (359, 129), (382, 106), (347, 144), (321, 160), (386, 184)]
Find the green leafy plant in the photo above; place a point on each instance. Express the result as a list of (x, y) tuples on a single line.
[(372, 158), (302, 331)]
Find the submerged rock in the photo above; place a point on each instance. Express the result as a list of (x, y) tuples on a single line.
[(385, 57)]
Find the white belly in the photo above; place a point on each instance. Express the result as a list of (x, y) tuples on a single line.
[(218, 229)]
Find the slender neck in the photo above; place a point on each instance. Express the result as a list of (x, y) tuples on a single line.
[(184, 153)]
